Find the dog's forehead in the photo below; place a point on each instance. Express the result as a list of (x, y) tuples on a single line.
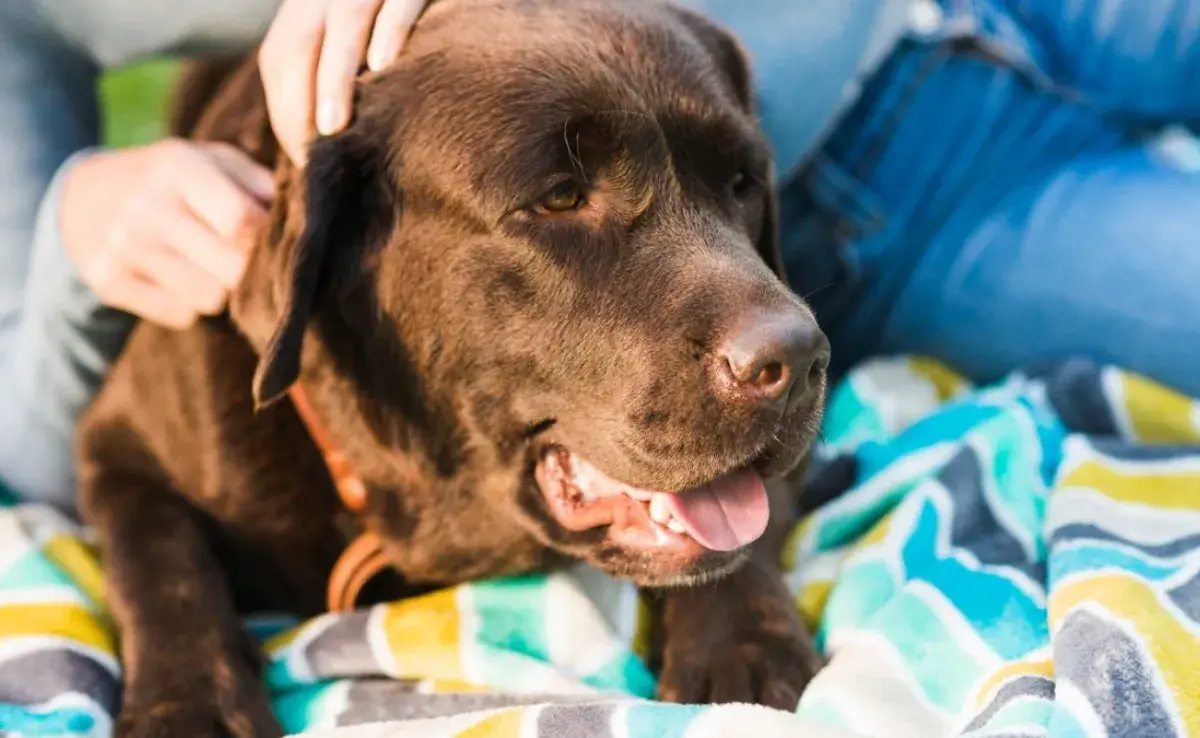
[(492, 100), (484, 76), (631, 51)]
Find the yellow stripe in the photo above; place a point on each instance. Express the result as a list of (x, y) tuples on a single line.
[(505, 724), (444, 686), (1174, 649), (423, 634), (643, 629), (811, 602), (57, 619), (878, 533), (1167, 490), (80, 565), (1041, 666), (1158, 414), (946, 382), (281, 641), (790, 558)]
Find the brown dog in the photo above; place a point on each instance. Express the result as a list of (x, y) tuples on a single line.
[(542, 259)]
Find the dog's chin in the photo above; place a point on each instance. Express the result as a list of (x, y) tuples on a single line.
[(655, 538)]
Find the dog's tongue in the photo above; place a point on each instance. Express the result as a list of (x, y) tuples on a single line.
[(725, 514)]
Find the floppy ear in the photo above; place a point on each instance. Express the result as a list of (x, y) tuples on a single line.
[(331, 213), (734, 64)]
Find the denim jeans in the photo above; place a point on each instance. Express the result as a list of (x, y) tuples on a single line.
[(1013, 187)]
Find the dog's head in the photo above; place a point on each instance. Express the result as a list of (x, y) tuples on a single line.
[(544, 252)]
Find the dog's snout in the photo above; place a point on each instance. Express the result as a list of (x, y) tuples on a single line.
[(773, 359)]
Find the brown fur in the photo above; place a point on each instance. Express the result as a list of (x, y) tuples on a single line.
[(438, 326)]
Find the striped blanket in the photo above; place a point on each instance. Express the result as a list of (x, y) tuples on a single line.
[(1021, 559)]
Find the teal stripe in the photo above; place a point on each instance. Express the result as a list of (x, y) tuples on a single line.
[(511, 638), (1065, 562), (849, 421), (512, 615), (1064, 724), (300, 708), (1022, 712), (822, 713), (1015, 455), (1052, 435), (858, 511), (949, 424), (661, 721), (929, 647), (849, 523), (1003, 615), (623, 673), (859, 593), (32, 570), (64, 721)]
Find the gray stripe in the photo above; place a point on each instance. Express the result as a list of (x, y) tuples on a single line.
[(826, 480), (40, 676), (1021, 687), (974, 527), (342, 649), (1088, 531), (1123, 450), (1075, 391), (1112, 672), (1187, 597), (576, 721), (383, 700)]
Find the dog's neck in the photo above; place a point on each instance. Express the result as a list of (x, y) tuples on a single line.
[(364, 558)]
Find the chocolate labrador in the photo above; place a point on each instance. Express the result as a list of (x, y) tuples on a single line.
[(533, 293)]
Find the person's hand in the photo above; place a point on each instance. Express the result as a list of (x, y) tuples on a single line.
[(163, 231), (312, 54)]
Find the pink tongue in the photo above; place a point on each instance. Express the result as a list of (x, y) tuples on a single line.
[(727, 513)]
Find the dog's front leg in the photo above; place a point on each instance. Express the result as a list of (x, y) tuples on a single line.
[(739, 639), (189, 666)]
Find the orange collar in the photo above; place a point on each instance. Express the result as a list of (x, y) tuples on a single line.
[(364, 557)]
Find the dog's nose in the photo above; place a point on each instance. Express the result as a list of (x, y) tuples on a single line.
[(774, 359)]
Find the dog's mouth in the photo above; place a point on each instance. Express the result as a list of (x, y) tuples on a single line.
[(724, 514)]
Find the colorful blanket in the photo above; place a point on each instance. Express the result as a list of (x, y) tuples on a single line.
[(1022, 559)]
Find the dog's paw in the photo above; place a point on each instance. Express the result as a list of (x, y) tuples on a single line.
[(756, 668), (735, 641), (227, 699), (197, 718)]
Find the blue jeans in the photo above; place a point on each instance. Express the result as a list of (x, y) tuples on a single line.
[(1002, 193)]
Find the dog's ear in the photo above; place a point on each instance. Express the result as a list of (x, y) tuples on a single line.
[(725, 49), (327, 218), (768, 235), (733, 62)]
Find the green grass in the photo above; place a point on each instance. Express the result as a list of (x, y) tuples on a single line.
[(134, 101)]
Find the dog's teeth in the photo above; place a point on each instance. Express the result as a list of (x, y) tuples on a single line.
[(660, 512), (676, 526)]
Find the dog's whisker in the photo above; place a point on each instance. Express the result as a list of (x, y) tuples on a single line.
[(572, 151), (808, 295)]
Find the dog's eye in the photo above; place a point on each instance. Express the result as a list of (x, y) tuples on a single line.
[(563, 197), (743, 184)]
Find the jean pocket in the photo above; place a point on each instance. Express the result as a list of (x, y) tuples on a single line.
[(825, 211)]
